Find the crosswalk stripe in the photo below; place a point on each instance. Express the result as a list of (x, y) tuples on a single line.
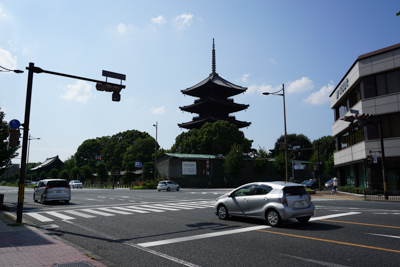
[(77, 213), (59, 215), (115, 211), (39, 217), (159, 206), (132, 210), (98, 212), (139, 208)]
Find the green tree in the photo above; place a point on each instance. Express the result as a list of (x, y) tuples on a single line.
[(43, 175), (64, 174), (54, 173), (87, 153), (148, 169), (324, 146), (69, 163), (34, 176), (280, 165), (261, 163), (6, 153), (292, 141), (102, 173), (74, 173), (87, 173), (234, 161), (141, 149), (212, 138)]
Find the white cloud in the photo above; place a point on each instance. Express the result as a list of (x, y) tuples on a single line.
[(183, 21), (159, 110), (80, 91), (7, 60), (302, 85), (121, 28), (245, 76), (322, 96), (159, 20), (2, 13), (273, 61)]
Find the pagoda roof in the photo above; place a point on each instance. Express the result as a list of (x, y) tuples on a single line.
[(200, 122), (227, 105), (218, 85)]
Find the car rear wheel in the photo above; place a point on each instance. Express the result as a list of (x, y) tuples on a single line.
[(168, 189), (303, 219), (222, 212), (177, 189), (66, 201), (34, 198), (273, 218)]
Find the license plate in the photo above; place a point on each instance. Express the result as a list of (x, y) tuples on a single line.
[(300, 204), (58, 192)]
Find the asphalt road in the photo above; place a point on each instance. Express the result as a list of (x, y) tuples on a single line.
[(150, 228)]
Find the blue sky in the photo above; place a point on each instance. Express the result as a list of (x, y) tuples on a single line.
[(164, 47)]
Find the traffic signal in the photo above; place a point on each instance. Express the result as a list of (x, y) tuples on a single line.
[(316, 167), (13, 138), (369, 159), (111, 88)]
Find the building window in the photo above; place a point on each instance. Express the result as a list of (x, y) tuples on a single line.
[(393, 82), (380, 84), (352, 137), (390, 124)]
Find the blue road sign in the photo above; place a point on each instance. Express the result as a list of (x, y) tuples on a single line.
[(14, 124), (138, 164)]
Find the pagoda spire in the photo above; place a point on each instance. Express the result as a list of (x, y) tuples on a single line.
[(213, 58)]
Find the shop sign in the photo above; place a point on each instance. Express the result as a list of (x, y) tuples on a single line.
[(342, 88), (188, 168)]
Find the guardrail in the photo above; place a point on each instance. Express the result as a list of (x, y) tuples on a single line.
[(379, 195)]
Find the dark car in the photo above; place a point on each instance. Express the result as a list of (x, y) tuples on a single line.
[(313, 184)]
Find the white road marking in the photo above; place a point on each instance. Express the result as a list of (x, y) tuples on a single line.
[(229, 232), (59, 215), (392, 236), (132, 210), (139, 208), (159, 206), (323, 263), (156, 253), (39, 217), (115, 211), (98, 212), (77, 213)]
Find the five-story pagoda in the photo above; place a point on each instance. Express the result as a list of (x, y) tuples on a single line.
[(214, 103)]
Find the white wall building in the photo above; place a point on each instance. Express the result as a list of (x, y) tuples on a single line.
[(371, 86)]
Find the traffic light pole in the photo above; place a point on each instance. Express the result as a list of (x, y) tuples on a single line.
[(32, 69)]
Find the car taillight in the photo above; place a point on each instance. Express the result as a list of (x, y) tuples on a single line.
[(283, 200)]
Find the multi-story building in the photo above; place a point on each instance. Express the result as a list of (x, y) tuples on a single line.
[(370, 86)]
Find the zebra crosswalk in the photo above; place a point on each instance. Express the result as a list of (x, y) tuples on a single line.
[(49, 216)]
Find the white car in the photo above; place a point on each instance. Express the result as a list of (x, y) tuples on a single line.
[(167, 185), (75, 184), (52, 190)]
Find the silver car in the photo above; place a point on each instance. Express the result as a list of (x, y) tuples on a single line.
[(75, 184), (52, 190), (270, 201), (167, 185)]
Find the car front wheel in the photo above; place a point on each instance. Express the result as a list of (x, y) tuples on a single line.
[(273, 218), (34, 198), (222, 212), (168, 189), (303, 219), (177, 189)]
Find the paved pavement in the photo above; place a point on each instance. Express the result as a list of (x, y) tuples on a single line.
[(27, 245)]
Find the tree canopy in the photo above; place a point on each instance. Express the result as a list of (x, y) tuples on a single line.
[(212, 138), (292, 141), (6, 153)]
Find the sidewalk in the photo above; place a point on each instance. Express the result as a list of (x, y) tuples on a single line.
[(339, 196), (25, 245)]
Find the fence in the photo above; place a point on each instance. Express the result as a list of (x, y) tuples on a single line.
[(379, 195)]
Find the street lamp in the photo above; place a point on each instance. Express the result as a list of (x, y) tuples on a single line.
[(102, 86), (363, 120), (8, 70), (155, 153), (284, 119)]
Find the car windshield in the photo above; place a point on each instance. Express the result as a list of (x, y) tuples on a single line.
[(57, 184), (295, 191), (162, 183)]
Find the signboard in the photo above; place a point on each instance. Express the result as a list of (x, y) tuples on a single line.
[(375, 158), (138, 164), (14, 124), (188, 168), (299, 167)]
